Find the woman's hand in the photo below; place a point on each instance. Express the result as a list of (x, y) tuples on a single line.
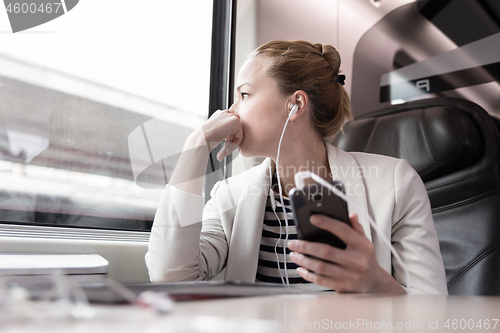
[(223, 125), (354, 269)]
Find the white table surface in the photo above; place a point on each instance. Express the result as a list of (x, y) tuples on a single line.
[(323, 312)]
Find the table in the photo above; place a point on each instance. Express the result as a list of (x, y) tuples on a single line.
[(320, 312)]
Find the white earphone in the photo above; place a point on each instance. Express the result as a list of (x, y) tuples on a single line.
[(285, 280)]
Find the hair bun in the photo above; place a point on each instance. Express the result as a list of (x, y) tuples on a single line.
[(332, 56), (318, 47)]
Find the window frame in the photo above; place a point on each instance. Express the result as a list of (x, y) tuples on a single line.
[(221, 80)]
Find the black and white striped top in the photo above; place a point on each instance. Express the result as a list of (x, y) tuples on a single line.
[(267, 270)]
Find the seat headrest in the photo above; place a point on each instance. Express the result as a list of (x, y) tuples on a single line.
[(435, 140)]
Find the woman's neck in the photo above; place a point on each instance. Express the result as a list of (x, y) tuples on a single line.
[(303, 157)]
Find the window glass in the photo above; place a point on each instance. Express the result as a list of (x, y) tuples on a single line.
[(95, 107)]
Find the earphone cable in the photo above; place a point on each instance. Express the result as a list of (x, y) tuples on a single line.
[(282, 201), (273, 205)]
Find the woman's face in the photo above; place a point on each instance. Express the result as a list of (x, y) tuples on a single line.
[(261, 108)]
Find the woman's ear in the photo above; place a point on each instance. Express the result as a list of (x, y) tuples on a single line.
[(301, 100)]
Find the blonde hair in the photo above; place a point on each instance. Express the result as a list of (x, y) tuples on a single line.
[(313, 68)]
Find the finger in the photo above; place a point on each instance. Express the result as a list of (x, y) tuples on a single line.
[(316, 265), (353, 218), (231, 147), (231, 144), (340, 285), (321, 251), (222, 152), (340, 229), (226, 149), (238, 137), (318, 279)]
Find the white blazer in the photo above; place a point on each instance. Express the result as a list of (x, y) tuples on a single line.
[(182, 249)]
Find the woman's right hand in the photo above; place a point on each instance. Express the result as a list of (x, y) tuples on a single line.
[(223, 125)]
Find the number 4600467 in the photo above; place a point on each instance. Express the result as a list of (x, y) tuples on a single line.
[(32, 8), (471, 324)]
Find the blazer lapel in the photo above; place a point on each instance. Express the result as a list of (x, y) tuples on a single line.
[(245, 240), (346, 169)]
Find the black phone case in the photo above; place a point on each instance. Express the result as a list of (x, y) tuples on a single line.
[(316, 199)]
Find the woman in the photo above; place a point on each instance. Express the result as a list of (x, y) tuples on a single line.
[(238, 229)]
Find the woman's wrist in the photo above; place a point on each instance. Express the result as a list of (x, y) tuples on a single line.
[(189, 172), (197, 139), (386, 284)]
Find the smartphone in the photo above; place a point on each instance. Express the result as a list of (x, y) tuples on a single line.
[(317, 199)]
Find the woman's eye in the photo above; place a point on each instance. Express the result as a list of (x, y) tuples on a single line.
[(244, 95)]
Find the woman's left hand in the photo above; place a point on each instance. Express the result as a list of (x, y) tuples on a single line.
[(354, 269)]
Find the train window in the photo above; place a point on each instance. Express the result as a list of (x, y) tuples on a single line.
[(96, 109)]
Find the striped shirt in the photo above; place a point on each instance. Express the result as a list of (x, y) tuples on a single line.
[(267, 270)]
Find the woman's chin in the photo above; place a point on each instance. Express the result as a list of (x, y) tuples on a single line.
[(250, 155), (245, 154), (246, 151)]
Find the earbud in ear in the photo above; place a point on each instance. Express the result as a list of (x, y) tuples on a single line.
[(293, 110)]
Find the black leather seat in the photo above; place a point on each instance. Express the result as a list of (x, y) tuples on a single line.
[(455, 147)]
